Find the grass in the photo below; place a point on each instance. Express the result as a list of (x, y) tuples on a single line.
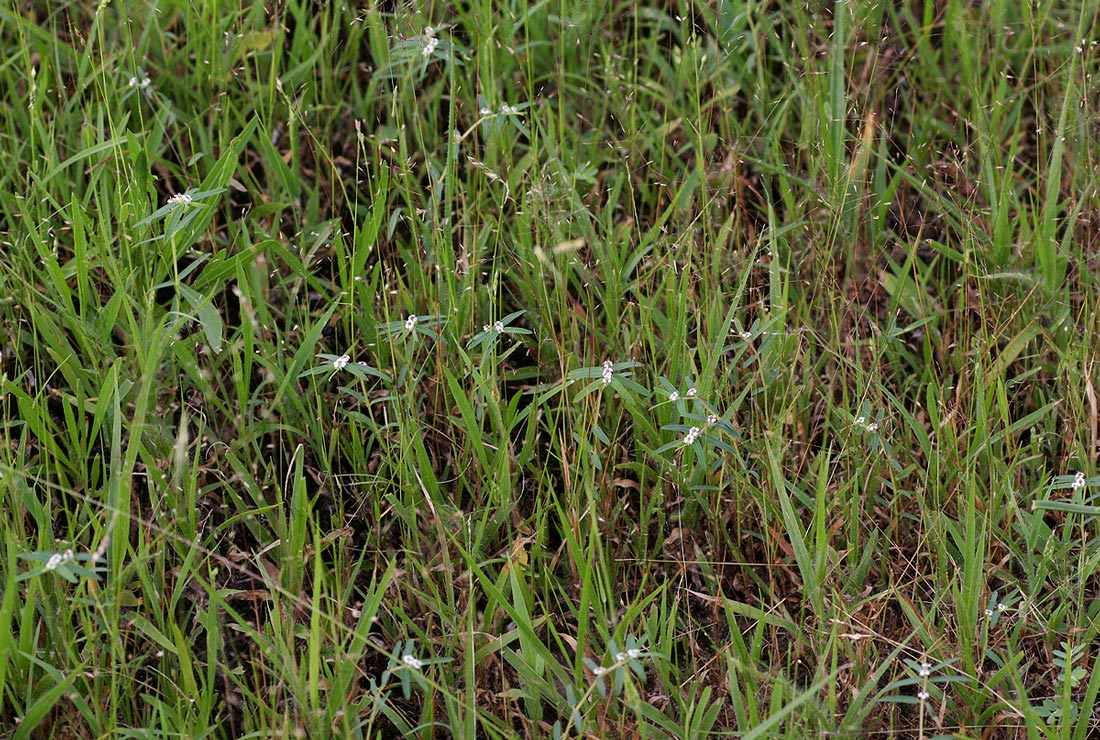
[(576, 369)]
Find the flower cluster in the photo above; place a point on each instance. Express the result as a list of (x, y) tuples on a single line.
[(608, 372), (627, 660), (861, 421), (925, 673), (60, 558), (505, 110), (699, 420), (66, 564), (431, 43)]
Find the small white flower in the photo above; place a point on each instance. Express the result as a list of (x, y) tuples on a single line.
[(746, 335), (498, 327), (923, 695), (60, 558), (181, 198), (692, 392), (674, 396), (1001, 607), (429, 31), (872, 427), (1078, 480), (485, 112), (599, 670), (429, 47), (633, 653), (620, 657), (412, 662), (712, 418), (410, 323), (608, 371), (925, 670), (988, 612), (691, 436), (861, 420), (340, 362)]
